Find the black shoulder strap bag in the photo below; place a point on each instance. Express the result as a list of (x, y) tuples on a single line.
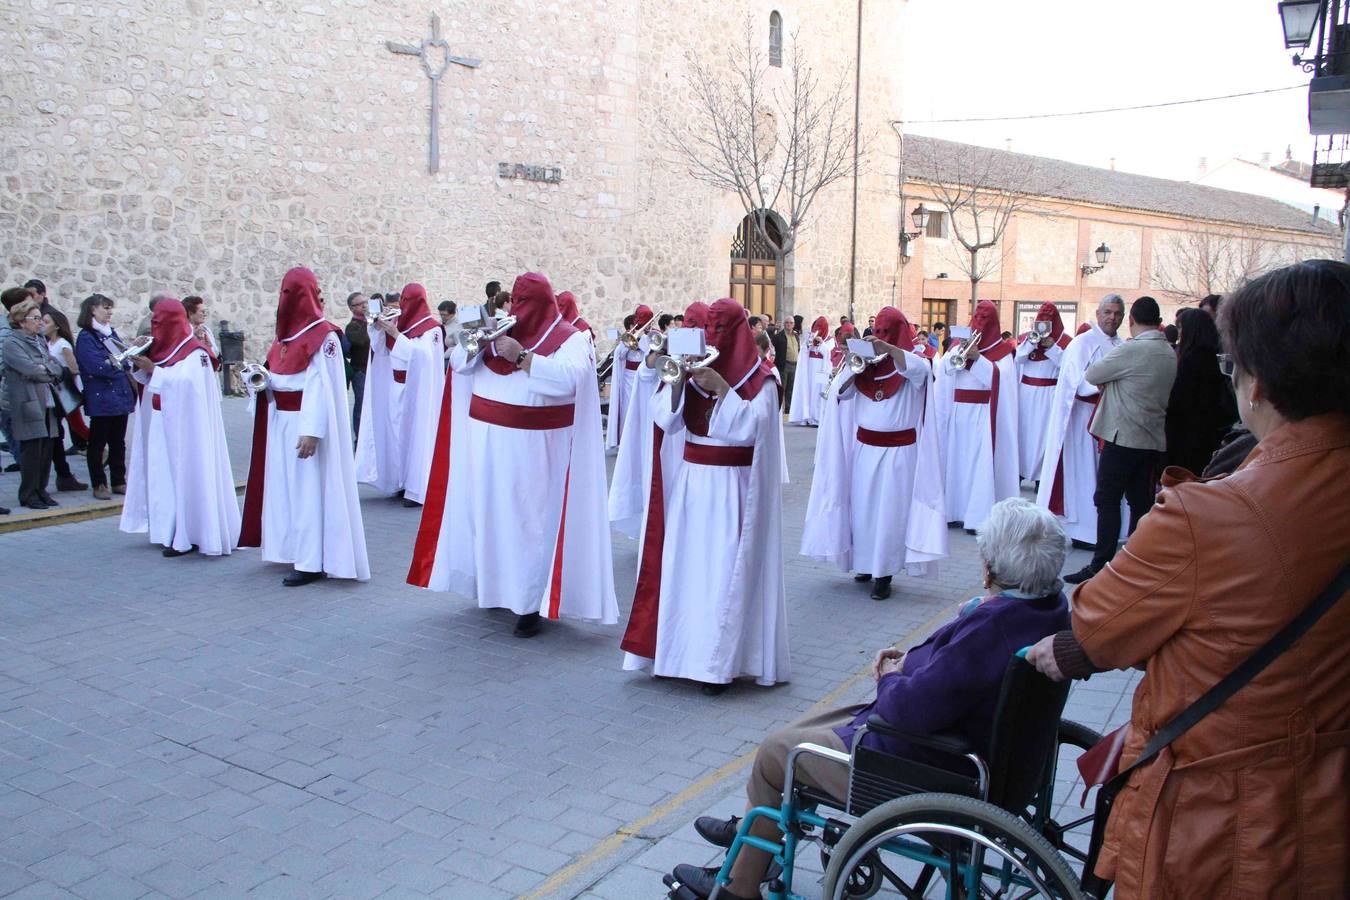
[(1208, 702)]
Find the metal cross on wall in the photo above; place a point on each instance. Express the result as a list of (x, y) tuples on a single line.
[(436, 58)]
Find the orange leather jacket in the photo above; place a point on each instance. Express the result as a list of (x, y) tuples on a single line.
[(1254, 801)]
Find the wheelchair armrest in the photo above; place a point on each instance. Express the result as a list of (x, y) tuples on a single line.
[(943, 743)]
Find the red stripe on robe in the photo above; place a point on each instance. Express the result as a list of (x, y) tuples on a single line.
[(639, 638), (250, 532), (555, 589), (433, 511)]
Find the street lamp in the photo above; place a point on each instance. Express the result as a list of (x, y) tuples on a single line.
[(1103, 254), (920, 219), (1299, 18)]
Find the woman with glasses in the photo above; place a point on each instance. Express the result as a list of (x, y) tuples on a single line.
[(30, 373), (1251, 799)]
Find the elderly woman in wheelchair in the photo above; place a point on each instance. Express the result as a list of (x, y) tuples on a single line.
[(940, 708)]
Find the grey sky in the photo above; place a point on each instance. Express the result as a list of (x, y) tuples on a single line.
[(987, 58)]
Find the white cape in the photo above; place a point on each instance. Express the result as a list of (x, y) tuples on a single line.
[(548, 550), (828, 533), (1033, 405), (979, 454), (394, 445), (808, 382), (627, 491), (180, 487)]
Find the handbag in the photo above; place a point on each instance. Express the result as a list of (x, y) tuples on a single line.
[(1211, 700)]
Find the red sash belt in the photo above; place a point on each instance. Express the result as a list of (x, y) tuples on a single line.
[(872, 438), (288, 401), (529, 418), (972, 396), (154, 402), (1094, 399), (1038, 382), (631, 364), (712, 455), (401, 376)]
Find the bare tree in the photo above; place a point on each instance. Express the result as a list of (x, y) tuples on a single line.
[(980, 191), (1200, 261), (775, 148)]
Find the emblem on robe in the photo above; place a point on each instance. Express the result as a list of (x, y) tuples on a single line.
[(330, 348), (205, 361), (878, 396)]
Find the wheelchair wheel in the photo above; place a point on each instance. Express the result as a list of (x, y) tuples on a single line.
[(975, 848), (1080, 738)]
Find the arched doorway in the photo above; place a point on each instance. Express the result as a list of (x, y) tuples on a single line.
[(755, 267)]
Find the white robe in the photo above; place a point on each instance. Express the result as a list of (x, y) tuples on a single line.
[(180, 487), (977, 470), (394, 445), (622, 380), (878, 510), (311, 514), (723, 610), (523, 523), (627, 491), (1033, 405), (1071, 453), (810, 380)]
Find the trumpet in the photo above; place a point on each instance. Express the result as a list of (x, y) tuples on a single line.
[(254, 377), (672, 370), (387, 312), (656, 341), (631, 337), (475, 339), (125, 354), (857, 363), (847, 360), (961, 355), (606, 366)]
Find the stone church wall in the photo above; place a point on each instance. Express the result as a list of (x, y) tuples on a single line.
[(205, 148)]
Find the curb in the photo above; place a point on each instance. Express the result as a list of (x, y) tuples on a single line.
[(99, 509)]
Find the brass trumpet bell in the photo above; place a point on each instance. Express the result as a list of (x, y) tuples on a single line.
[(476, 339), (857, 363), (656, 341), (127, 353), (255, 377), (961, 355), (672, 371)]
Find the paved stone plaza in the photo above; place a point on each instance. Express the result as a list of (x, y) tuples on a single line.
[(190, 728)]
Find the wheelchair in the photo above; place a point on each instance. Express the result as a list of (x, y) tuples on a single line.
[(966, 822)]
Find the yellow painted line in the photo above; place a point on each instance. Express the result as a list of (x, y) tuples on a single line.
[(609, 845)]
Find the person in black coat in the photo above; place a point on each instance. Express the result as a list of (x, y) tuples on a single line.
[(1201, 408)]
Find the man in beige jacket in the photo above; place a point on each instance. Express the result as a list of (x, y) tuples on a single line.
[(1135, 381)]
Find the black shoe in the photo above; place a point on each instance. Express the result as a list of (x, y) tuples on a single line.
[(527, 626), (298, 578), (699, 882), (4, 510), (882, 588), (713, 690), (36, 504), (410, 503), (70, 483), (12, 467), (862, 576), (1082, 574), (49, 500), (718, 832), (170, 553)]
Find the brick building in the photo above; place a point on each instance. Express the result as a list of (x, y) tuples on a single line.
[(1174, 240)]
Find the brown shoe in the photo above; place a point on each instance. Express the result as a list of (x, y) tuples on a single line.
[(119, 488), (101, 492)]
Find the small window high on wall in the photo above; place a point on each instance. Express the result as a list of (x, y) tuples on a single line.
[(775, 39)]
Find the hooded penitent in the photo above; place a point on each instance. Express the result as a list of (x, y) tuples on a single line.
[(820, 328), (567, 306), (992, 346), (414, 318), (641, 316), (539, 327), (696, 316), (1049, 312), (172, 333), (738, 359), (880, 380), (301, 327), (841, 344)]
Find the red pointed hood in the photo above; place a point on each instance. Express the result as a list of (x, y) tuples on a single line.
[(641, 316), (301, 327), (696, 315), (172, 334), (1048, 312), (414, 317), (841, 336), (992, 346), (738, 360), (540, 327), (821, 327), (881, 380), (567, 306)]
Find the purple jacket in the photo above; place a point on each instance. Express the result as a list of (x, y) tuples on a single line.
[(950, 682), (107, 392)]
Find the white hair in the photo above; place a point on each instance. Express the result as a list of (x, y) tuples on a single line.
[(1111, 298), (1024, 546)]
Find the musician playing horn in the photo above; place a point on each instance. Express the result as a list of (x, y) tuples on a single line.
[(179, 485), (515, 516), (977, 420), (1038, 355), (812, 375), (301, 506), (876, 504), (627, 360), (721, 612), (404, 383)]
